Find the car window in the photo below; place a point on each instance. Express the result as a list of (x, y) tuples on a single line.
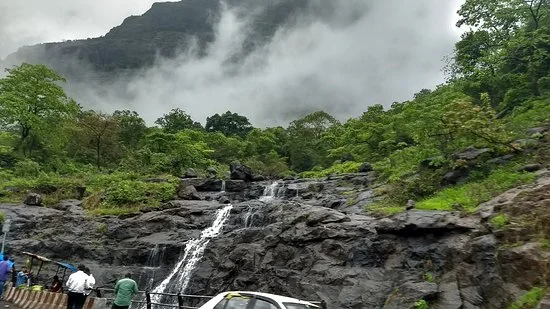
[(234, 302), (262, 304), (296, 306)]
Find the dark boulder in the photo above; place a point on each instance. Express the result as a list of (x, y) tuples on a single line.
[(532, 167), (365, 168), (471, 153), (240, 172), (190, 173), (537, 130), (211, 172), (33, 199), (235, 185), (156, 180), (188, 193), (80, 191), (259, 178), (501, 160), (455, 176), (202, 184)]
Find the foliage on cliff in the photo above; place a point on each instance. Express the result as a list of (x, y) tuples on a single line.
[(499, 86)]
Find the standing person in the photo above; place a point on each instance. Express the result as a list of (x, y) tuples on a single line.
[(5, 269), (125, 289), (22, 277), (90, 283), (76, 286)]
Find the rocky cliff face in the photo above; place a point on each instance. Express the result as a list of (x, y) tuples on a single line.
[(312, 242), (162, 31)]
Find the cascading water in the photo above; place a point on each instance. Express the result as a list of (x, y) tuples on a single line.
[(179, 277), (270, 192), (223, 186), (156, 256)]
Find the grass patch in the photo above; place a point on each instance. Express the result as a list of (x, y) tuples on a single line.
[(114, 211), (499, 221), (384, 209), (340, 168), (529, 300), (106, 194), (471, 194), (544, 243), (2, 217), (528, 115)]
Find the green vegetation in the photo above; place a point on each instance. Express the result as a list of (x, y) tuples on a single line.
[(499, 221), (421, 304), (529, 300), (101, 228), (498, 86), (429, 277), (469, 195)]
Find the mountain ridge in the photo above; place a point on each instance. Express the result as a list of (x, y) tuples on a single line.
[(161, 32)]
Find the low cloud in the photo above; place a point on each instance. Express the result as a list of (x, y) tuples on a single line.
[(340, 60)]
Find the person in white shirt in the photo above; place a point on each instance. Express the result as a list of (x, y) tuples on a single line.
[(90, 283), (76, 287)]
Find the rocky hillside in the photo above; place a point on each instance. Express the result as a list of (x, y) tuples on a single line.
[(308, 241), (161, 31)]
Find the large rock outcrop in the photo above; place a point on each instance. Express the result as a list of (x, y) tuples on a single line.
[(301, 244)]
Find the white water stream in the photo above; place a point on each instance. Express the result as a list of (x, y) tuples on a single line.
[(179, 277)]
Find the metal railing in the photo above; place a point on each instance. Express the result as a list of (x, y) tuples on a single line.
[(149, 303), (180, 299)]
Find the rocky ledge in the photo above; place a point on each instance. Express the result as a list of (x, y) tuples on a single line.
[(310, 242)]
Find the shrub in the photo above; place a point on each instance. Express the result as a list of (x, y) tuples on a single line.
[(429, 277), (26, 168), (499, 221), (529, 300), (421, 304), (338, 168)]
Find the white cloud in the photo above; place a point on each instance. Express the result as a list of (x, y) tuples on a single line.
[(27, 22), (389, 50)]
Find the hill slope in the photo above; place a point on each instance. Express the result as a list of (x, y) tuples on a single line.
[(161, 31)]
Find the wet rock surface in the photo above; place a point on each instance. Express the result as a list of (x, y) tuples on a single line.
[(313, 241)]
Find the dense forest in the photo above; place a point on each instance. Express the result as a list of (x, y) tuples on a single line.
[(498, 87)]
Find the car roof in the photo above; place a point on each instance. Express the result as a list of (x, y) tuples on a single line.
[(278, 298)]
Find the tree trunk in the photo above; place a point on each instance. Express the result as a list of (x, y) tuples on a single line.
[(98, 149)]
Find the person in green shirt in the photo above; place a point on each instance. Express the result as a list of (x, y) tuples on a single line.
[(125, 289)]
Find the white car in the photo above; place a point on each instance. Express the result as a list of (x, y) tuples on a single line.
[(255, 300)]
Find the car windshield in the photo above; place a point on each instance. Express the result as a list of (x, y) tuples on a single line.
[(297, 306)]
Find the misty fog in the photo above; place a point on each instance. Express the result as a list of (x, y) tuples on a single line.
[(356, 56)]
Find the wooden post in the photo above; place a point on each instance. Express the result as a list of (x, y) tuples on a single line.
[(180, 301), (148, 299)]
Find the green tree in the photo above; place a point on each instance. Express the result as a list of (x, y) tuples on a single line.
[(229, 124), (177, 120), (34, 105), (99, 132), (305, 148), (132, 128)]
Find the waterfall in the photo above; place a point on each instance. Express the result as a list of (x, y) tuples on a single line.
[(249, 216), (179, 277), (154, 261), (270, 192), (223, 186)]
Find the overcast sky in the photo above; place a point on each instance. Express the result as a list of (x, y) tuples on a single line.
[(395, 49)]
